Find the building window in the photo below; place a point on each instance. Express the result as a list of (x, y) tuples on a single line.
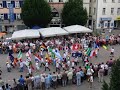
[(8, 3), (104, 11), (90, 10), (104, 1), (94, 11), (18, 16), (1, 5), (17, 4), (118, 11), (60, 0), (112, 11), (113, 1), (50, 0), (1, 16)]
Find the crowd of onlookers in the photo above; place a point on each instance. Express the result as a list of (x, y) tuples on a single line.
[(68, 71), (73, 75), (60, 42)]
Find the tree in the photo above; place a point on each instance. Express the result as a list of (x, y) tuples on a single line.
[(74, 13), (36, 13), (115, 76), (105, 86)]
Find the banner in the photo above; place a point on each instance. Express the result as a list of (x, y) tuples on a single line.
[(11, 13)]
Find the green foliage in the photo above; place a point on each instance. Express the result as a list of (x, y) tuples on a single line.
[(36, 13), (115, 76), (105, 86), (73, 13), (114, 79)]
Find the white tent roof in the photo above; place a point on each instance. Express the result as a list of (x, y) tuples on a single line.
[(77, 29), (52, 31), (27, 33)]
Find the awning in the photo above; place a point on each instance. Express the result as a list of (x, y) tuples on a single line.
[(2, 34), (77, 29), (27, 33), (52, 31)]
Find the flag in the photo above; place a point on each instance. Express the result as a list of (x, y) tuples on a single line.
[(28, 54), (92, 53), (51, 51), (43, 46), (31, 65), (19, 55), (15, 61), (11, 57), (88, 51), (75, 47), (37, 58), (105, 47), (57, 54)]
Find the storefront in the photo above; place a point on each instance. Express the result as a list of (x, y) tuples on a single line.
[(117, 23), (105, 23)]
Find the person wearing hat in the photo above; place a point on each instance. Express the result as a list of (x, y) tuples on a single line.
[(8, 66), (21, 66), (46, 66)]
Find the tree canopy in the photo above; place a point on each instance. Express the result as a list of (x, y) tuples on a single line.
[(36, 13), (74, 13), (114, 78)]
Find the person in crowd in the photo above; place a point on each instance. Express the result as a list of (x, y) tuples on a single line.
[(43, 82), (15, 87), (47, 82), (47, 66), (70, 76), (21, 66), (64, 78), (100, 74), (54, 80), (91, 81), (112, 52), (21, 82), (8, 66), (78, 78)]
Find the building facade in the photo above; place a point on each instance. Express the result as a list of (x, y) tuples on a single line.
[(105, 14), (10, 18)]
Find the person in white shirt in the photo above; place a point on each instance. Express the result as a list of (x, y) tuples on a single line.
[(57, 67), (106, 69), (46, 66), (29, 71), (21, 66), (37, 65), (91, 81), (112, 52), (8, 67), (42, 82), (102, 66), (73, 64), (68, 64)]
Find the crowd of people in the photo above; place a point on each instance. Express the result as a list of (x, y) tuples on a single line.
[(65, 54)]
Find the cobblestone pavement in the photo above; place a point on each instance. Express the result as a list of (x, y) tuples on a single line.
[(103, 56)]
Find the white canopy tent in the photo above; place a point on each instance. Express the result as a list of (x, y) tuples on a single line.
[(27, 33), (52, 31), (77, 29)]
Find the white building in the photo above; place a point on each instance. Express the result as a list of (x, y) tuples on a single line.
[(105, 14)]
